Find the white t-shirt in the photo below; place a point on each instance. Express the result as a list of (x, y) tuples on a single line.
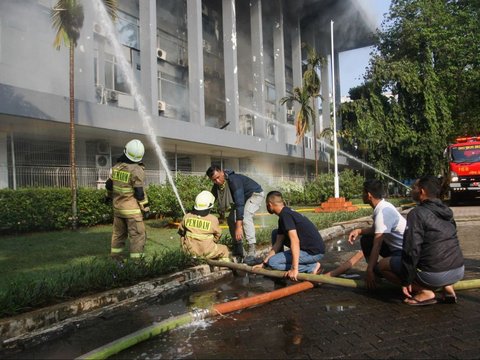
[(388, 221)]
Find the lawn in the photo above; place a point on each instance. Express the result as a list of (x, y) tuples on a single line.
[(43, 268)]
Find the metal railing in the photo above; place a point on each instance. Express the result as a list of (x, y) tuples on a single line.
[(91, 177)]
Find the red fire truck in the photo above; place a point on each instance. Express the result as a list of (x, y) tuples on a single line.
[(464, 163)]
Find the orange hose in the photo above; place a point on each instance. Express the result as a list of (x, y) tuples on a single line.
[(259, 299)]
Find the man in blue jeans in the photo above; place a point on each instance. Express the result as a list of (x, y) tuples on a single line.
[(299, 234), (243, 197)]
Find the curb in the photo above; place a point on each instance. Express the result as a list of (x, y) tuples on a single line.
[(37, 326)]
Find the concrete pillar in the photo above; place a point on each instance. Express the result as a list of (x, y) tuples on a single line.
[(148, 49), (338, 94), (3, 161), (325, 91), (84, 70), (296, 54), (279, 62), (195, 62), (256, 32), (230, 64)]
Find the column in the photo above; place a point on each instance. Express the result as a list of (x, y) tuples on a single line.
[(230, 64), (3, 161), (148, 51), (195, 62), (256, 34), (279, 62), (296, 54)]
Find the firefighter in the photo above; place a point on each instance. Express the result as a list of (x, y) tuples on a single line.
[(130, 203), (200, 230)]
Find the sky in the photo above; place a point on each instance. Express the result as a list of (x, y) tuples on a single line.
[(353, 63)]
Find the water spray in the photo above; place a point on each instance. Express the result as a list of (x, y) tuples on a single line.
[(138, 97)]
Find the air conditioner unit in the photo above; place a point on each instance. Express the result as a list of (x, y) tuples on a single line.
[(112, 96), (103, 147), (162, 105), (103, 161), (161, 54), (98, 29)]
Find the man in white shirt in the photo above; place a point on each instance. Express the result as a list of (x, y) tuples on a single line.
[(385, 237)]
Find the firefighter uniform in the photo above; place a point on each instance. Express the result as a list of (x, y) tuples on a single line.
[(199, 235), (129, 201)]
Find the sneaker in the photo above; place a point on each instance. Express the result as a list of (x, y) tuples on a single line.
[(252, 260)]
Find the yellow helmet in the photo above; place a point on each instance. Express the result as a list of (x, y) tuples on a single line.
[(134, 150), (204, 200)]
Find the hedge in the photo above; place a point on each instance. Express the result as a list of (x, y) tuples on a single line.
[(44, 209)]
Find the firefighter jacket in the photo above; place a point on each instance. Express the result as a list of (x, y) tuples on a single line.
[(199, 234), (126, 190)]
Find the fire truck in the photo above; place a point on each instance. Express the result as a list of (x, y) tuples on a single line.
[(464, 163)]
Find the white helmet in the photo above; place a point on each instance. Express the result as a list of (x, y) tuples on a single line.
[(204, 200), (134, 150)]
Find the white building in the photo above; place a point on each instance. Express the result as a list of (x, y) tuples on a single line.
[(212, 73)]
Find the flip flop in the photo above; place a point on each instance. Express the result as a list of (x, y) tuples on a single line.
[(421, 303)]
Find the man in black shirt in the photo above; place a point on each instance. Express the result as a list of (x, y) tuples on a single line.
[(299, 234)]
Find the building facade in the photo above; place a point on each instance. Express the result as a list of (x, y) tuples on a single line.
[(211, 74)]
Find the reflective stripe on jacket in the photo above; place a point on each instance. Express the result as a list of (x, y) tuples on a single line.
[(125, 177)]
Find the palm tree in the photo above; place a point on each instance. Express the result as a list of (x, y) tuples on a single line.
[(67, 20), (302, 119), (311, 82)]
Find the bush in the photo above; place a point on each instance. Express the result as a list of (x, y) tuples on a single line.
[(322, 188), (99, 274), (42, 209), (162, 198)]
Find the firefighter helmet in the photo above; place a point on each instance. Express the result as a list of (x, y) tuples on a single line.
[(204, 200), (134, 150)]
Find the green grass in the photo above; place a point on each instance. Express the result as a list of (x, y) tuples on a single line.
[(39, 269)]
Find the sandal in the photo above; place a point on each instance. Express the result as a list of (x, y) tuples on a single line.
[(417, 302)]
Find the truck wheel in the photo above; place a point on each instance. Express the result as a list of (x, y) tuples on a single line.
[(454, 198)]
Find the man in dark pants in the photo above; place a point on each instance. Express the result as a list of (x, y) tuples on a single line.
[(243, 197), (431, 256), (385, 237)]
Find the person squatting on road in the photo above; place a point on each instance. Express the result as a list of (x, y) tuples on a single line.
[(431, 256), (296, 232), (384, 238), (243, 197), (200, 230), (125, 190)]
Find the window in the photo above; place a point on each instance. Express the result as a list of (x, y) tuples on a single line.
[(128, 30), (113, 75)]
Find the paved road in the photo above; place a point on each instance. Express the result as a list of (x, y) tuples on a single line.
[(330, 322)]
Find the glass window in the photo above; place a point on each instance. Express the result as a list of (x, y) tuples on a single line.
[(128, 30)]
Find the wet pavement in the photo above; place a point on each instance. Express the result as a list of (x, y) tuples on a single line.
[(324, 322)]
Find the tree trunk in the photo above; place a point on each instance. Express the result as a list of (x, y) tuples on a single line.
[(73, 167)]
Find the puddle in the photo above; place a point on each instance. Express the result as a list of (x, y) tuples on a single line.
[(340, 307)]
